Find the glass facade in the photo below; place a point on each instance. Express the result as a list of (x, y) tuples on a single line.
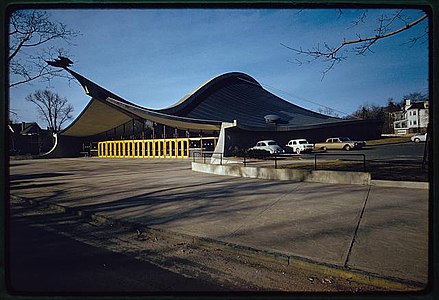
[(147, 139)]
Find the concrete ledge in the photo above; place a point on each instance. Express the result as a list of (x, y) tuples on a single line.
[(321, 176), (401, 184)]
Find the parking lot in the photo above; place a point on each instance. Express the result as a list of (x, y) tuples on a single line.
[(400, 161), (410, 151)]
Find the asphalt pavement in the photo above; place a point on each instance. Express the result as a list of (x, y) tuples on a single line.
[(60, 265), (378, 231)]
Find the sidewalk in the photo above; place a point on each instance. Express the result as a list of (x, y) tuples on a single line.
[(374, 230)]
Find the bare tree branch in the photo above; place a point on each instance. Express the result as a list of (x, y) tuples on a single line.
[(361, 19), (373, 38), (361, 45), (36, 67), (30, 29), (412, 41)]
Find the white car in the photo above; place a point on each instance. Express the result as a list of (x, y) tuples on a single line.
[(269, 145), (300, 145), (421, 137)]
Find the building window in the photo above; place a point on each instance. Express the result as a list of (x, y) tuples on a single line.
[(414, 122), (414, 113)]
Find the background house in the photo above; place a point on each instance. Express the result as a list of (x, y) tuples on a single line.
[(28, 138), (413, 118)]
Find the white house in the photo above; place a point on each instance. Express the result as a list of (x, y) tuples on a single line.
[(413, 118)]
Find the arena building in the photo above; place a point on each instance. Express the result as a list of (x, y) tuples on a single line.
[(229, 112)]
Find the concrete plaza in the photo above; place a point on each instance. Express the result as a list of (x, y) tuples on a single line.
[(372, 229)]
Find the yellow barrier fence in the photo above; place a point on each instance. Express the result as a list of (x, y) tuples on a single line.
[(154, 148)]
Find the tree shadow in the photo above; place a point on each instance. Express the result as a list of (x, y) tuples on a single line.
[(229, 202), (17, 177)]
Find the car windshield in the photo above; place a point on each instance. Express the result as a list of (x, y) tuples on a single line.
[(345, 139), (271, 143)]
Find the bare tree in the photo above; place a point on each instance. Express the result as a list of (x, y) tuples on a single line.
[(415, 96), (328, 111), (52, 108), (32, 29), (388, 25), (368, 112)]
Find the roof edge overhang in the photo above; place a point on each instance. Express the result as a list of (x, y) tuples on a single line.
[(175, 121), (132, 110), (81, 126), (308, 126), (139, 113), (78, 117)]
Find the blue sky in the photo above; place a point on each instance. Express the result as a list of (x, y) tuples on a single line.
[(153, 57)]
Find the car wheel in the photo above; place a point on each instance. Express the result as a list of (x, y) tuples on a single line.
[(417, 140), (347, 147), (323, 148), (297, 150)]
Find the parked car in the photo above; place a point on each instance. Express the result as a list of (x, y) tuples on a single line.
[(420, 137), (269, 145), (300, 145), (340, 143)]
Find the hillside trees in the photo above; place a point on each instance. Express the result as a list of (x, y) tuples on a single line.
[(384, 113)]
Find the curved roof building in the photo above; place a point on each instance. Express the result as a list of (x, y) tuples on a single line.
[(231, 106), (237, 96)]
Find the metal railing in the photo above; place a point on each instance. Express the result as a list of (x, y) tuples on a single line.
[(208, 154), (275, 157), (340, 155), (219, 155), (246, 160)]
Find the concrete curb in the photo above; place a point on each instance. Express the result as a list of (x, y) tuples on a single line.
[(401, 184), (320, 176), (360, 276)]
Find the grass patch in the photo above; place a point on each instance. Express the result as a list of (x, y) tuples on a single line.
[(380, 170), (388, 140), (402, 171)]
